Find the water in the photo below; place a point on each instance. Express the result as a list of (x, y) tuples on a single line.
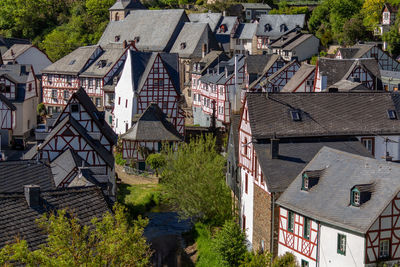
[(165, 223)]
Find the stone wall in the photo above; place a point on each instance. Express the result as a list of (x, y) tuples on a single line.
[(261, 219)]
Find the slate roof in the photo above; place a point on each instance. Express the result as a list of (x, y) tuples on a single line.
[(255, 6), (95, 144), (191, 39), (294, 154), (108, 58), (272, 59), (331, 196), (356, 51), (322, 114), (346, 85), (7, 102), (127, 4), (9, 42), (15, 72), (391, 74), (152, 125), (15, 51), (156, 29), (65, 164), (74, 62), (300, 75), (257, 63), (246, 31), (218, 74), (338, 69), (84, 202), (213, 19), (15, 174), (298, 41), (284, 40), (348, 52), (210, 60), (275, 21), (223, 37)]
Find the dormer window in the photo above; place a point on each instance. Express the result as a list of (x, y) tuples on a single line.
[(361, 194), (183, 45), (74, 108), (102, 63), (283, 28), (136, 39), (267, 27), (72, 62), (392, 114), (117, 38), (310, 179), (295, 115), (223, 28)]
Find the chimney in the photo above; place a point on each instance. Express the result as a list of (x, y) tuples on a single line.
[(388, 157), (274, 148), (125, 44), (32, 195)]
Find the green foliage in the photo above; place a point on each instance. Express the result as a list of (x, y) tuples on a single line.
[(41, 109), (256, 259), (207, 255), (109, 241), (289, 10), (193, 181), (286, 260), (156, 161), (119, 160), (392, 37), (371, 12), (354, 31), (230, 243)]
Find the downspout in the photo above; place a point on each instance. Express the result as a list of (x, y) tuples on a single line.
[(318, 242), (272, 225)]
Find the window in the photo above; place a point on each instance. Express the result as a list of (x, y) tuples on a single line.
[(245, 147), (126, 103), (54, 94), (246, 183), (90, 83), (305, 183), (384, 248), (341, 244), (355, 197), (295, 115), (392, 114), (307, 227), (98, 102), (126, 127), (66, 94), (110, 119), (290, 221), (159, 82), (69, 80), (29, 87), (244, 223), (369, 144), (386, 15), (119, 100), (221, 90), (98, 82), (304, 263), (74, 108)]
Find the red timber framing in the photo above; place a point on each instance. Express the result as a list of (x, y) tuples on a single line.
[(86, 121), (68, 137), (295, 240), (58, 88), (68, 179), (307, 87), (366, 78), (131, 151), (158, 88), (386, 227), (276, 83)]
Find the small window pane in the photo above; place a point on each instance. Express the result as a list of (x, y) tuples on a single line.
[(384, 251), (341, 246), (290, 221)]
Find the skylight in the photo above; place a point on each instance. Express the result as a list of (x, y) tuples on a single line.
[(72, 62), (392, 114), (295, 115)]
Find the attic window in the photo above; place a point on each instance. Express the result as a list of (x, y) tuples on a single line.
[(267, 27), (136, 39), (183, 45), (72, 62), (361, 194), (295, 115), (223, 28), (101, 64), (117, 38), (283, 28), (74, 108), (310, 179), (392, 114)]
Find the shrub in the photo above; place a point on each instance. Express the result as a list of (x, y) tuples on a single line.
[(285, 260)]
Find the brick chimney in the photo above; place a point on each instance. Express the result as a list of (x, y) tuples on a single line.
[(32, 195)]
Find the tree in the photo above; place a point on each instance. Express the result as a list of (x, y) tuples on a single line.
[(193, 181), (109, 241), (156, 161), (354, 31), (256, 259), (371, 12), (230, 243), (285, 260), (392, 37)]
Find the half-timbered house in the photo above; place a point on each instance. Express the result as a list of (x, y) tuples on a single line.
[(218, 93), (148, 78), (243, 40), (389, 13), (302, 80), (385, 61), (280, 133), (296, 45), (354, 218), (150, 131), (226, 32), (363, 70), (18, 85)]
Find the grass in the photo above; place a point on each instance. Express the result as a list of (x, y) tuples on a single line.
[(139, 198), (207, 254)]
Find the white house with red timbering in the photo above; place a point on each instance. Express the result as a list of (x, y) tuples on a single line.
[(148, 77), (363, 70), (90, 67), (355, 216), (81, 128), (389, 13), (218, 92)]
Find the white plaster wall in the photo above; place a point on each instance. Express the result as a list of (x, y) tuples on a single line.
[(247, 205), (393, 146), (307, 49), (124, 90), (328, 255), (36, 58), (248, 46)]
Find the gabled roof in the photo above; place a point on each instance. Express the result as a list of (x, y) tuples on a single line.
[(191, 39), (255, 6), (257, 63), (104, 63), (15, 174), (331, 196), (322, 114), (223, 71), (9, 42), (84, 202), (152, 125), (275, 22), (278, 72), (246, 31), (154, 30), (95, 144), (225, 28), (213, 19), (273, 58), (91, 109), (298, 41), (64, 165), (346, 85), (391, 8), (74, 63), (305, 71), (356, 51), (338, 69), (210, 60), (127, 5), (17, 73), (294, 154), (285, 39), (15, 51)]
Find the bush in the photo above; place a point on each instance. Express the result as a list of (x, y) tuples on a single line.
[(230, 243), (286, 260), (156, 162), (119, 160), (207, 256), (257, 260)]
